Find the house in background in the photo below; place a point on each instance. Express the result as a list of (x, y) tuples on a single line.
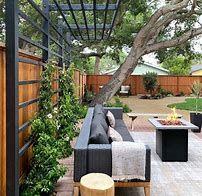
[(196, 70), (142, 68)]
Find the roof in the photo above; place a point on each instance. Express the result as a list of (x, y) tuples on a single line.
[(196, 67), (156, 66), (111, 71)]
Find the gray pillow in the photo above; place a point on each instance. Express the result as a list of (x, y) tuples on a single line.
[(100, 119), (99, 109), (98, 135)]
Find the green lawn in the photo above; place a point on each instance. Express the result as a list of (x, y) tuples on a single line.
[(189, 104)]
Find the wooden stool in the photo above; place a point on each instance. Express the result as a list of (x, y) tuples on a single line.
[(96, 184)]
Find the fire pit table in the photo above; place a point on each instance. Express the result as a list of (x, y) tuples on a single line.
[(172, 139)]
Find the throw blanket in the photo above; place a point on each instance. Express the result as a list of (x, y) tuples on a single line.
[(128, 161)]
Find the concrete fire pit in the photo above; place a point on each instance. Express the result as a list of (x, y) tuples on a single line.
[(172, 140)]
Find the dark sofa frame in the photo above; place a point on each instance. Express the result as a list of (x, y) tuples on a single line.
[(97, 158)]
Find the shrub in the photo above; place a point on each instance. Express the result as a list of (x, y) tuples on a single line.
[(118, 103), (88, 95), (150, 82), (83, 111), (196, 90), (164, 92)]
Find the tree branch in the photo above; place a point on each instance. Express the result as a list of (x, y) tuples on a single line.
[(166, 9), (149, 30), (166, 20), (86, 55), (174, 42)]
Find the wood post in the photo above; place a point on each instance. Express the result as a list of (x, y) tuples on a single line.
[(147, 191)]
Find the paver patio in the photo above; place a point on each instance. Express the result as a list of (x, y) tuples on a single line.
[(65, 185)]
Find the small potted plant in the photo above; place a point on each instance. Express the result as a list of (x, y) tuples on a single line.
[(196, 117)]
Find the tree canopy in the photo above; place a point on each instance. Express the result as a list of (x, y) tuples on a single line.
[(165, 26), (177, 65)]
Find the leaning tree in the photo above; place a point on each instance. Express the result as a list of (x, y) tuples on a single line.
[(149, 39)]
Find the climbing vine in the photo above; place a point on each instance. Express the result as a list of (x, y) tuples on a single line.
[(45, 168), (53, 129), (69, 112)]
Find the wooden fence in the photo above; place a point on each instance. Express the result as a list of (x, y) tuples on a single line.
[(175, 84), (80, 82), (26, 92)]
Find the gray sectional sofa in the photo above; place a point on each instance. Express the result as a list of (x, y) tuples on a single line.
[(97, 158)]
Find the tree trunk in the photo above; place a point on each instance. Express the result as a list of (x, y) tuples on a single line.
[(122, 73), (97, 65)]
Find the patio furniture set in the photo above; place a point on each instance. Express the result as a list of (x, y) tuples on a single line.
[(93, 153), (96, 157)]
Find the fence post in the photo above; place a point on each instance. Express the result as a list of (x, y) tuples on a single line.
[(46, 37), (12, 59)]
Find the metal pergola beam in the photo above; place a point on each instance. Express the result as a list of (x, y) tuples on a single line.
[(63, 16), (84, 16), (61, 50), (74, 17), (12, 144), (65, 33), (94, 17), (86, 7), (91, 38), (106, 28), (90, 27), (114, 17), (46, 36), (105, 18)]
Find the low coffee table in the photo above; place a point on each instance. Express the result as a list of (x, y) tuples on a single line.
[(172, 140)]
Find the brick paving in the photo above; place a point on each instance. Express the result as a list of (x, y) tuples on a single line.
[(64, 186)]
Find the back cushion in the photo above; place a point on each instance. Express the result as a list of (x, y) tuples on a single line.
[(99, 126), (99, 109), (100, 119), (125, 88), (98, 134)]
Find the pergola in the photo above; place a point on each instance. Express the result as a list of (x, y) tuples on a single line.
[(66, 31)]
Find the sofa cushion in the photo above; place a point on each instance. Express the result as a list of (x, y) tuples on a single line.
[(111, 119), (121, 128), (99, 110), (100, 119), (114, 135), (125, 88), (98, 135)]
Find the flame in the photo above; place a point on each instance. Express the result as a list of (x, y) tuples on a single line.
[(173, 115)]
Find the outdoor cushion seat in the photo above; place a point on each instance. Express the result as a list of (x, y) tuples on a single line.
[(100, 119), (122, 130), (98, 134), (99, 110), (125, 90)]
